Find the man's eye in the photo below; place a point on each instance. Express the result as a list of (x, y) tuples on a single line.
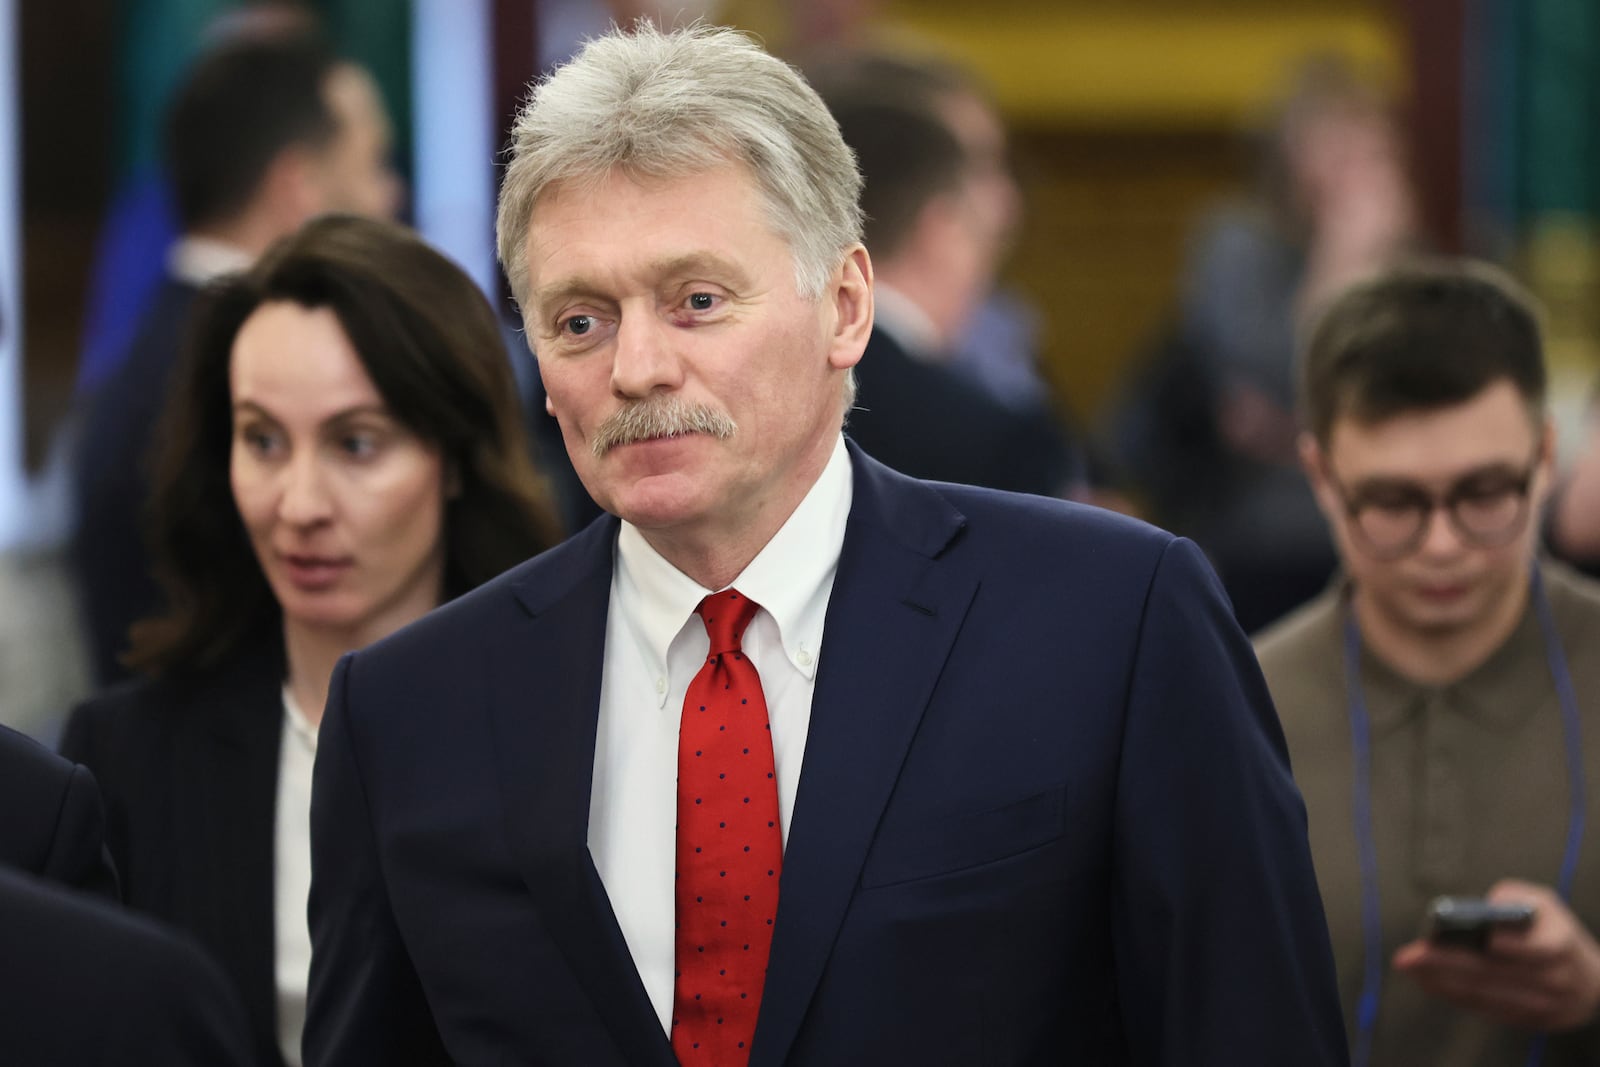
[(702, 301), (579, 325), (1486, 490)]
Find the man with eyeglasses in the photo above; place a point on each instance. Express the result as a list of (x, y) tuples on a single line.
[(1442, 699)]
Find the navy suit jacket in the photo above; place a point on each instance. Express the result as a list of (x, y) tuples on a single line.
[(1045, 816), (52, 823), (85, 984), (189, 769)]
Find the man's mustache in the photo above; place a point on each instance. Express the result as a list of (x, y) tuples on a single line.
[(659, 416)]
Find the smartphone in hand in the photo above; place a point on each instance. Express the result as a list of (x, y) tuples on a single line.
[(1466, 922)]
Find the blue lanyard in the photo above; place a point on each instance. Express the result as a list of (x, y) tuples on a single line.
[(1366, 844)]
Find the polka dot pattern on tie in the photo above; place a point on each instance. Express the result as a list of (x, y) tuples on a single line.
[(729, 848)]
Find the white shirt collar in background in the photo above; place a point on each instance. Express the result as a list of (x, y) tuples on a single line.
[(200, 260)]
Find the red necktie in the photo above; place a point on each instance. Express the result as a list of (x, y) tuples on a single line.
[(730, 848)]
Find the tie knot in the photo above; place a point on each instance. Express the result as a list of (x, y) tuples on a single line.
[(726, 614)]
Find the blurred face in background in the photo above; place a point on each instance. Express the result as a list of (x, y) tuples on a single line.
[(343, 504), (355, 173), (1348, 169), (993, 187)]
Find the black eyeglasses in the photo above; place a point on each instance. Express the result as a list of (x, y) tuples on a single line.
[(1488, 509)]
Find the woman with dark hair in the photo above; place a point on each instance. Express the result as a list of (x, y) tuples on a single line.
[(341, 453)]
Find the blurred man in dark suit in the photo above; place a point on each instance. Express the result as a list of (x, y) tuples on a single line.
[(82, 982), (85, 984), (940, 209)]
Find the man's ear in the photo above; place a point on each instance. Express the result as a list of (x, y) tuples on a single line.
[(290, 190), (1314, 461), (1544, 473), (851, 296)]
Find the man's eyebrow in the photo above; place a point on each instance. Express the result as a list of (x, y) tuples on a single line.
[(1493, 469), (565, 289), (708, 265)]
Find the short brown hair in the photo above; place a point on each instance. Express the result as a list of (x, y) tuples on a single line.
[(432, 346), (1424, 335), (243, 104)]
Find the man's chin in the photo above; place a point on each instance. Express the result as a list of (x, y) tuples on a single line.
[(1444, 615), (658, 501)]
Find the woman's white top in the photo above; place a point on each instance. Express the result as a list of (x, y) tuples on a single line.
[(291, 866)]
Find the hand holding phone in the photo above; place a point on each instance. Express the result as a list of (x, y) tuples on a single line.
[(1467, 922)]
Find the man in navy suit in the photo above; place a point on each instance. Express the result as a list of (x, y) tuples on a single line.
[(84, 983), (791, 758), (81, 981)]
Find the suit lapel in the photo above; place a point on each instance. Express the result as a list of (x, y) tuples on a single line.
[(227, 802), (545, 704), (892, 617)]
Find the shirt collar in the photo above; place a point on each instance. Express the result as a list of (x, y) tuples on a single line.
[(791, 578), (1500, 692), (299, 724), (906, 324), (200, 260)]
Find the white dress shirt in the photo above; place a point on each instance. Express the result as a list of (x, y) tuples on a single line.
[(906, 324), (291, 868), (202, 260), (654, 646)]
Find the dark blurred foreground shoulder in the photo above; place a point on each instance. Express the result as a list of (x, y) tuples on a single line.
[(86, 983)]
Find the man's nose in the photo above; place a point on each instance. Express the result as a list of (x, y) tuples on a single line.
[(645, 356), (1439, 534)]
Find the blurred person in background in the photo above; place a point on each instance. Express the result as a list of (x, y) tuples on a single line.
[(54, 824), (81, 980), (342, 453), (268, 130), (1333, 203), (940, 209), (84, 981), (1441, 699), (1574, 531)]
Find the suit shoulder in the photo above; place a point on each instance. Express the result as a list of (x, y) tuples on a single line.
[(1575, 601), (458, 626), (118, 725), (1305, 634), (1301, 659), (154, 990), (25, 762), (122, 711), (1045, 523)]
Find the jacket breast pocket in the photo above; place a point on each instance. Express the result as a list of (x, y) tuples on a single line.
[(951, 843)]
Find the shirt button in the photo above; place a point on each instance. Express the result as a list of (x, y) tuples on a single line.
[(661, 685), (803, 658)]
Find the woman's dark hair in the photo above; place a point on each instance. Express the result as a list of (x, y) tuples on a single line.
[(431, 345)]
